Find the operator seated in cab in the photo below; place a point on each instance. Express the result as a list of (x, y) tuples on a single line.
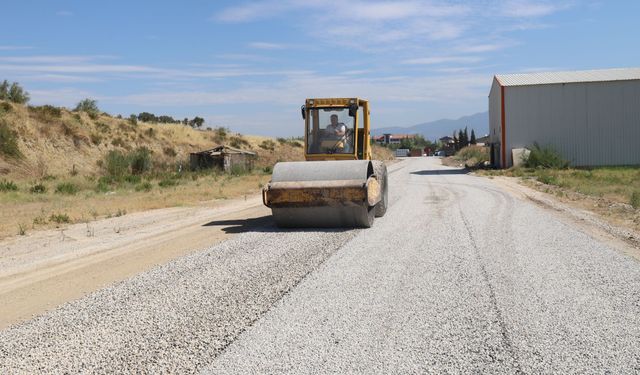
[(336, 131)]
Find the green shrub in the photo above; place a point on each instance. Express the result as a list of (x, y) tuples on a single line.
[(635, 199), (546, 178), (46, 113), (60, 218), (238, 141), (268, 144), (5, 107), (145, 186), (267, 169), (38, 189), (39, 220), (133, 120), (89, 106), (104, 185), (473, 155), (116, 164), (140, 160), (68, 188), (132, 179), (544, 157), (9, 141), (168, 182), (13, 92), (8, 186)]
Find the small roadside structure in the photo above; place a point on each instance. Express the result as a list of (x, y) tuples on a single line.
[(226, 158)]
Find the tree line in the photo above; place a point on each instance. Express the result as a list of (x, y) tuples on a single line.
[(461, 139), (13, 92)]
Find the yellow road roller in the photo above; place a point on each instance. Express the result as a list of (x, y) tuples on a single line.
[(339, 185)]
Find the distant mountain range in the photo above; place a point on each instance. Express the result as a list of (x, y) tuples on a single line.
[(434, 130)]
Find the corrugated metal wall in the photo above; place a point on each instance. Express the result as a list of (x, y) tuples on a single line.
[(495, 119), (495, 112), (590, 124)]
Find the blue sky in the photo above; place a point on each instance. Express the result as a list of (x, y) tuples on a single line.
[(250, 65)]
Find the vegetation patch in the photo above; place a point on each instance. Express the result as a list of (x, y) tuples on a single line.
[(60, 218), (238, 141), (268, 144), (544, 157), (39, 188), (8, 186), (635, 199), (168, 182), (473, 156), (68, 188), (9, 141), (145, 186), (46, 113)]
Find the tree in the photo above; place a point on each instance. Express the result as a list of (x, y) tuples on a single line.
[(466, 137), (147, 117), (17, 94), (185, 121), (197, 122), (4, 90), (473, 137), (87, 105), (460, 139)]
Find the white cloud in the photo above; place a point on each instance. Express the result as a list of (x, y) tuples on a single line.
[(434, 60), (252, 11), (14, 48), (530, 9), (267, 46)]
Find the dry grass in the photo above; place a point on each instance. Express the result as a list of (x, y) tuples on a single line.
[(612, 192), (22, 209), (56, 145), (59, 175)]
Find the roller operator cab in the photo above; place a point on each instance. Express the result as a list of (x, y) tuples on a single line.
[(339, 185)]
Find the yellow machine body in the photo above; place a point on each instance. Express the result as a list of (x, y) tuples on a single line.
[(339, 185)]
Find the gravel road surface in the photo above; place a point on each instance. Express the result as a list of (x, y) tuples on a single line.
[(459, 276)]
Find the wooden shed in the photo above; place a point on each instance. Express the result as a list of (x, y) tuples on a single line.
[(223, 157)]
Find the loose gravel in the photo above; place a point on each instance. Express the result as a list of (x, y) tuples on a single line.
[(459, 277), (174, 318)]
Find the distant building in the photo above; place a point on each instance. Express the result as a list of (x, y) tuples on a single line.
[(482, 141), (390, 139), (590, 117), (446, 140), (225, 158)]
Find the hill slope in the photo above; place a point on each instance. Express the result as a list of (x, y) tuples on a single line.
[(436, 129), (56, 141)]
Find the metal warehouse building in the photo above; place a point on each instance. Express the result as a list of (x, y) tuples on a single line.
[(590, 117)]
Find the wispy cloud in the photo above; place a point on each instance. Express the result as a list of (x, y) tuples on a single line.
[(433, 60), (14, 48), (376, 25), (252, 11), (64, 13), (267, 46), (529, 9)]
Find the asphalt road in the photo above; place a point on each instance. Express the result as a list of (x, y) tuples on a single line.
[(458, 277)]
